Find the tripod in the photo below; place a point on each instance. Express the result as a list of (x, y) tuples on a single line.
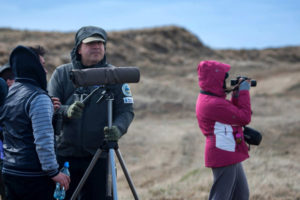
[(111, 147)]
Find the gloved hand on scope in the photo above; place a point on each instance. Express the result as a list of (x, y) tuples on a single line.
[(112, 134), (75, 110)]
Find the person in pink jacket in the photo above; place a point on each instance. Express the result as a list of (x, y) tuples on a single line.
[(221, 121)]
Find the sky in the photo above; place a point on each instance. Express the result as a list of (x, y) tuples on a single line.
[(219, 24)]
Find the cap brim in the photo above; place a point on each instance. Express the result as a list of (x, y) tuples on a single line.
[(93, 39)]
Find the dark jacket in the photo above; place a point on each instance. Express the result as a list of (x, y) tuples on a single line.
[(82, 137), (3, 90), (3, 93), (20, 150)]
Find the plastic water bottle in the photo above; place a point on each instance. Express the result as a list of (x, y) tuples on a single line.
[(60, 192)]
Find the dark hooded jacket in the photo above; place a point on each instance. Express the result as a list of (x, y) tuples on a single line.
[(82, 137), (19, 148)]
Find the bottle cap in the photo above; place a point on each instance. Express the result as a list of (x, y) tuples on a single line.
[(67, 165)]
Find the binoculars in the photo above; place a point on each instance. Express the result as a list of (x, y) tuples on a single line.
[(236, 81)]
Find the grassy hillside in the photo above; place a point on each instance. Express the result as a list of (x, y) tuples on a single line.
[(163, 148)]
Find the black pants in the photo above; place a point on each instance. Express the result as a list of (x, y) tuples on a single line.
[(2, 189), (95, 186), (28, 188)]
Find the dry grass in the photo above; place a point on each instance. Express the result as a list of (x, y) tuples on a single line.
[(164, 147)]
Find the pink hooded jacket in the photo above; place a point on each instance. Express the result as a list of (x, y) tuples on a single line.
[(219, 119)]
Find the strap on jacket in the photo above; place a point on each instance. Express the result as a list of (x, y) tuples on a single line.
[(207, 93)]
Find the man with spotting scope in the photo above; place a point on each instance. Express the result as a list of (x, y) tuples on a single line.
[(85, 124)]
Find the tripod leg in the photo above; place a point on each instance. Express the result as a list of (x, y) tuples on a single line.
[(86, 174), (113, 173), (108, 179), (127, 174)]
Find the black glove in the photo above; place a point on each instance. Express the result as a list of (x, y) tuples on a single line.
[(112, 134), (75, 110)]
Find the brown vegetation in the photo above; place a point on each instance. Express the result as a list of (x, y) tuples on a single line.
[(164, 147)]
